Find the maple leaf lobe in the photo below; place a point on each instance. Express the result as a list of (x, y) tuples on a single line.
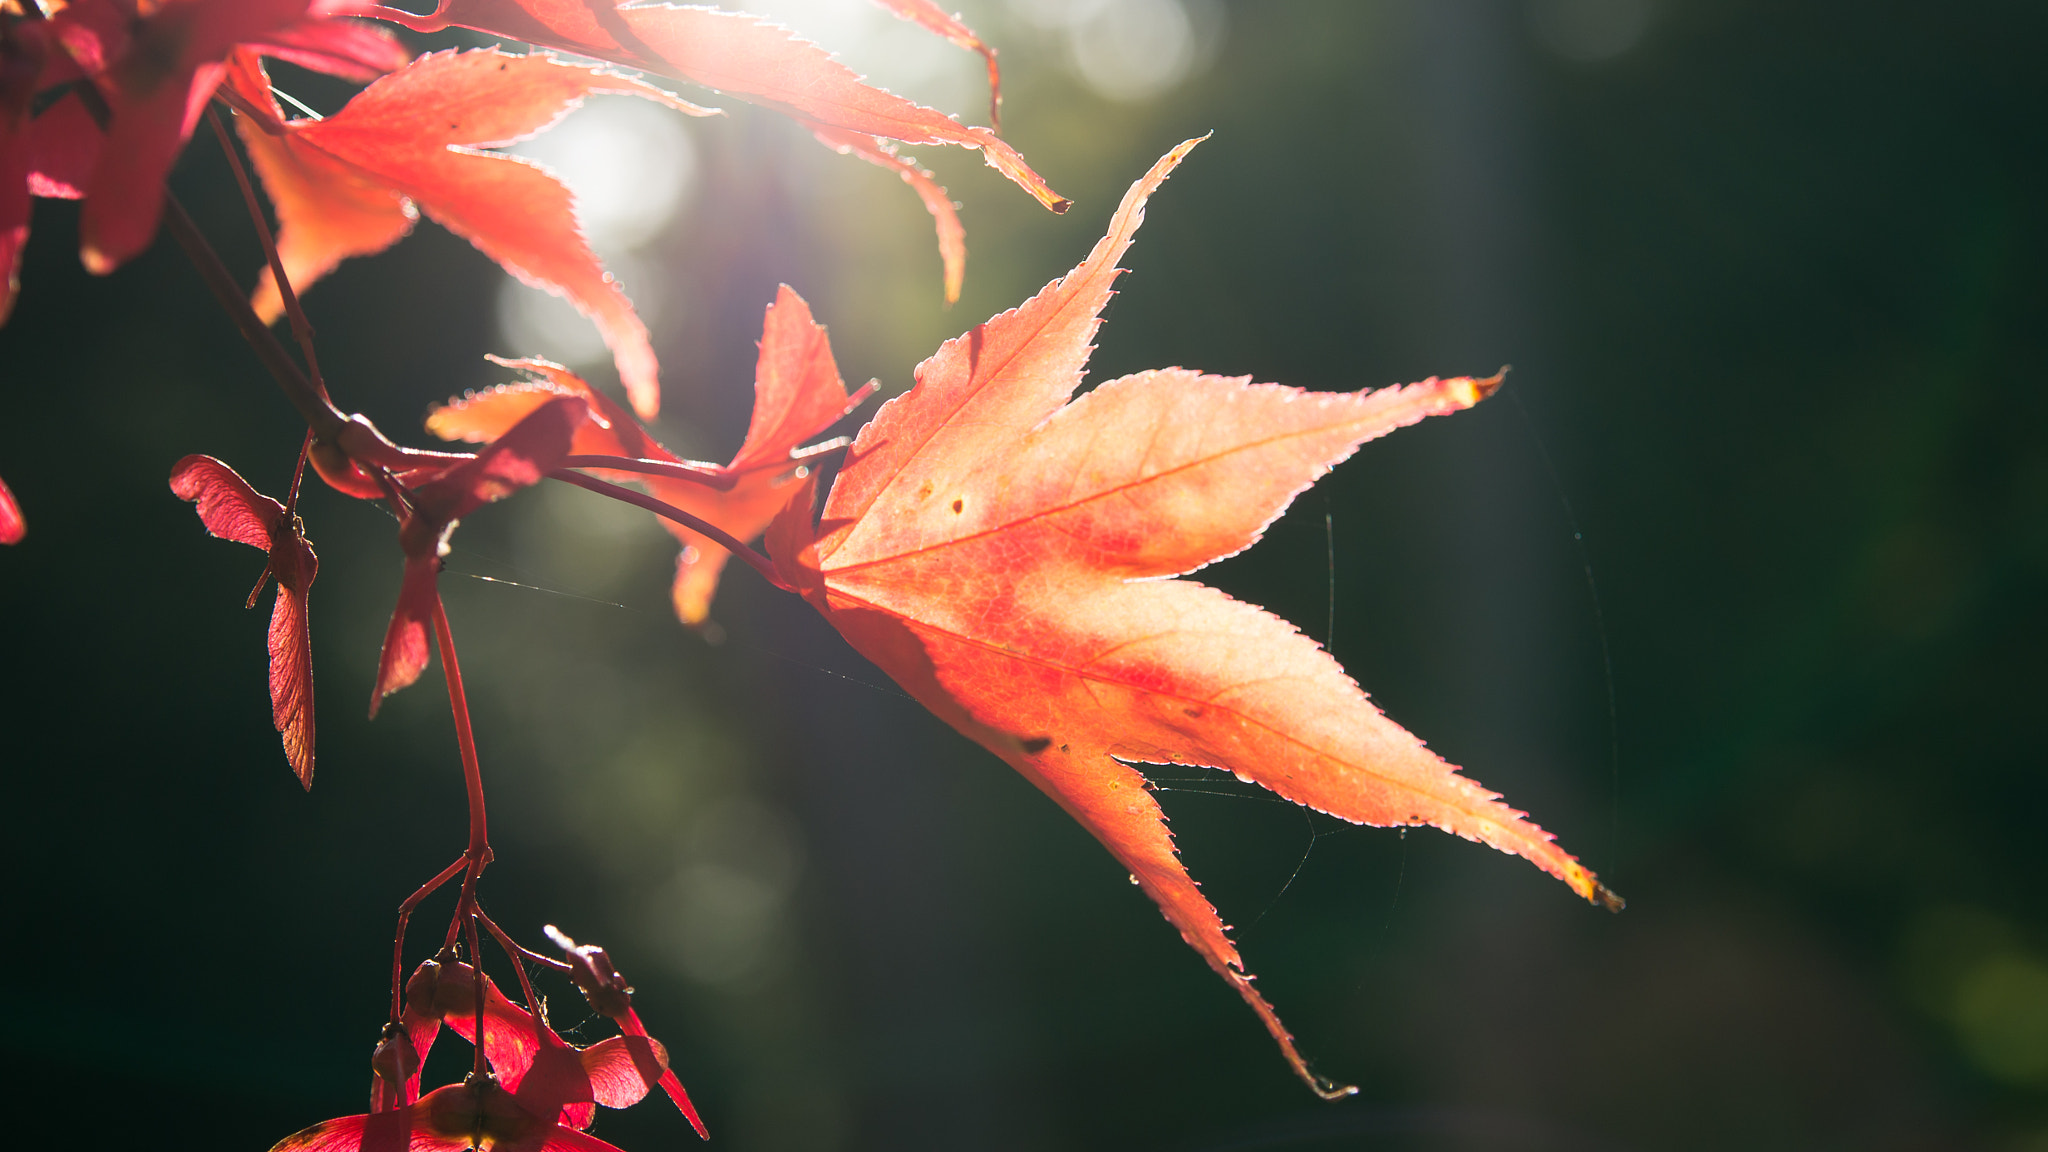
[(996, 545)]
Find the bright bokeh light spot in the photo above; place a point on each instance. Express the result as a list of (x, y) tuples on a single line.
[(1589, 30), (1129, 50), (628, 163), (631, 168), (536, 323), (892, 54), (2002, 1013)]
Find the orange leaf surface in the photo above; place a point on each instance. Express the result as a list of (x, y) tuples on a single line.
[(734, 53), (797, 395), (347, 185), (998, 548)]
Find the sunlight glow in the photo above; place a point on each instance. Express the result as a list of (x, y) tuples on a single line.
[(1587, 31), (628, 163), (1129, 50)]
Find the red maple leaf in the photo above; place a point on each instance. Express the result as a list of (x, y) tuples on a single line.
[(24, 58), (232, 510), (155, 72), (750, 58), (1000, 549), (354, 183), (797, 395), (150, 69)]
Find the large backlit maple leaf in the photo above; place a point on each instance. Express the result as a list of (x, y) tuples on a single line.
[(353, 183), (999, 547)]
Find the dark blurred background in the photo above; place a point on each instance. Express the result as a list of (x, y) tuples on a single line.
[(1738, 587)]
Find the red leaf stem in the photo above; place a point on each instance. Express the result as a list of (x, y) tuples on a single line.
[(320, 414), (465, 738), (302, 328), (405, 914), (512, 952), (724, 539), (291, 498), (709, 475), (480, 1069), (518, 951)]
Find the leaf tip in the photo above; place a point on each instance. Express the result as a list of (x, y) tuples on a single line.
[(1608, 898)]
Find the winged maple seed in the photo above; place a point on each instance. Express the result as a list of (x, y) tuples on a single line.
[(550, 1077), (797, 396), (457, 1118), (354, 183), (998, 548), (591, 970), (232, 510), (427, 515)]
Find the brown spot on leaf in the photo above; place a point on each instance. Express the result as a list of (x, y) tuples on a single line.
[(1036, 744)]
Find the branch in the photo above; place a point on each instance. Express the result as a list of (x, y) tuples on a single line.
[(322, 416), (717, 535), (709, 475)]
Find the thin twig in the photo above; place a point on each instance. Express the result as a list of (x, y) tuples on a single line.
[(320, 414), (717, 535), (302, 328), (709, 475), (405, 914)]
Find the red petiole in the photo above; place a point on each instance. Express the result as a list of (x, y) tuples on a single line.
[(717, 535)]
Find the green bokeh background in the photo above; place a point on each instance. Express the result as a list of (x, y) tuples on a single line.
[(1772, 283)]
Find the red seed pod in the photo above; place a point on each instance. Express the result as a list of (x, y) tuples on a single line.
[(591, 970), (394, 1067)]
